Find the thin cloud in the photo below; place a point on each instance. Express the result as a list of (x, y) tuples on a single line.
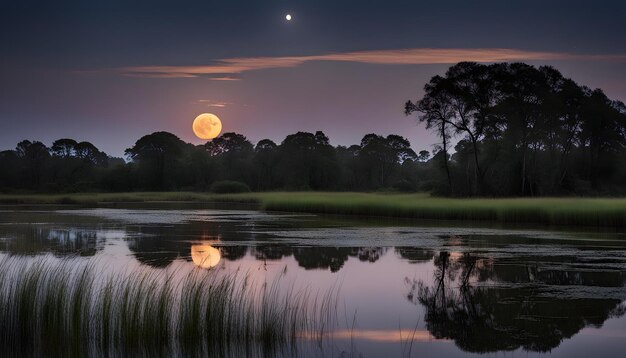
[(219, 104), (225, 69), (211, 103), (225, 78)]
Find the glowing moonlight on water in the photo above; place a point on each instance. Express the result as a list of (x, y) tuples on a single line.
[(205, 256), (207, 126)]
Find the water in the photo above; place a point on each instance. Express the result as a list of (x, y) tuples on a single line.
[(403, 290)]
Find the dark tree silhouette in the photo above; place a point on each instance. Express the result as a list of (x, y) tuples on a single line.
[(158, 157), (229, 143), (423, 155), (307, 161), (64, 148), (265, 164), (523, 131)]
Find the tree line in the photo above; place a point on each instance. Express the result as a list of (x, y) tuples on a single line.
[(506, 129), (161, 161)]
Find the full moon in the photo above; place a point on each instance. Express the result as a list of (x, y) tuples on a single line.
[(207, 126), (205, 256), (288, 17)]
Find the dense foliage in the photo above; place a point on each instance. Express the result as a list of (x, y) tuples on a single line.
[(517, 130), (523, 131), (229, 163)]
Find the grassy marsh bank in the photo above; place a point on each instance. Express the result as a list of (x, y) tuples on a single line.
[(594, 212)]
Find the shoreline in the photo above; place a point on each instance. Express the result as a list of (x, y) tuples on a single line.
[(578, 212)]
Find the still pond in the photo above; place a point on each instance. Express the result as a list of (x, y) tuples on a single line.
[(338, 286)]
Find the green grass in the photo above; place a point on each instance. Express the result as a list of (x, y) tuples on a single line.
[(68, 307), (594, 212), (598, 212)]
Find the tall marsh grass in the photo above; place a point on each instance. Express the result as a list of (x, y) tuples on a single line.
[(69, 308), (596, 212)]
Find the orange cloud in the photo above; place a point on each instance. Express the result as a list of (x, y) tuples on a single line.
[(223, 69)]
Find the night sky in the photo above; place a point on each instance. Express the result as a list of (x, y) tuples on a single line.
[(111, 71)]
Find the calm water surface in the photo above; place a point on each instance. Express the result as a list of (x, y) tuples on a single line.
[(404, 290)]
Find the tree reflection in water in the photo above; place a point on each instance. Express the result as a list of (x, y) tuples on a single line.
[(160, 251), (71, 241), (513, 308)]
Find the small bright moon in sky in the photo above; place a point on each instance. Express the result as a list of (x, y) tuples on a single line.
[(207, 126), (288, 17)]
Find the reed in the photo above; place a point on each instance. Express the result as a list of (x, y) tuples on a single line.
[(70, 308)]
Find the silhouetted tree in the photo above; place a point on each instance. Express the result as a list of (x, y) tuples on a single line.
[(423, 155), (9, 175), (307, 161), (436, 111), (64, 148), (383, 156), (34, 156), (158, 159), (229, 143), (265, 161), (523, 130), (233, 153), (89, 153)]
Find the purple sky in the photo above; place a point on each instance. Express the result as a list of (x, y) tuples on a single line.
[(112, 73)]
